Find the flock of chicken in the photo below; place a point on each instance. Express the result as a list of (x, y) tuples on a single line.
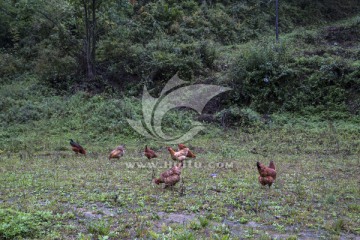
[(267, 175)]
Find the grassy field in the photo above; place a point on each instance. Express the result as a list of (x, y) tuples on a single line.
[(54, 194)]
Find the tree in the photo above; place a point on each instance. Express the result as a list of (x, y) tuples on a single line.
[(89, 19), (277, 20), (86, 17)]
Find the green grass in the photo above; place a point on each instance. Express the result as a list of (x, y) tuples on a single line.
[(316, 191)]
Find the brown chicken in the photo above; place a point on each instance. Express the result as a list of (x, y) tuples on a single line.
[(179, 155), (171, 176), (190, 154), (149, 153), (77, 148), (267, 174), (117, 152)]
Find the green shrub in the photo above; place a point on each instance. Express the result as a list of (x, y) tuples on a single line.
[(236, 116), (269, 78), (208, 53), (55, 68), (258, 73), (10, 66), (99, 227), (15, 224)]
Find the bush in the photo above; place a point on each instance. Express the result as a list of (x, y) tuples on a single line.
[(10, 67), (15, 224), (56, 69), (258, 73), (269, 78), (161, 58), (235, 116)]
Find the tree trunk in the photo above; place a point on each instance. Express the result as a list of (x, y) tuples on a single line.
[(93, 34), (89, 42), (277, 20)]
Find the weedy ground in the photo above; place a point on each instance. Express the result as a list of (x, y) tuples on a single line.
[(54, 194)]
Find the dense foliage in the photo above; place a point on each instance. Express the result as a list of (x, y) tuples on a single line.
[(54, 45)]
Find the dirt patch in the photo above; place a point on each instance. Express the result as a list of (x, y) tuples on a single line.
[(176, 217), (238, 229), (98, 211)]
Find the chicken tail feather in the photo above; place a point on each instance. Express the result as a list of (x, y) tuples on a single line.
[(272, 165), (258, 165)]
